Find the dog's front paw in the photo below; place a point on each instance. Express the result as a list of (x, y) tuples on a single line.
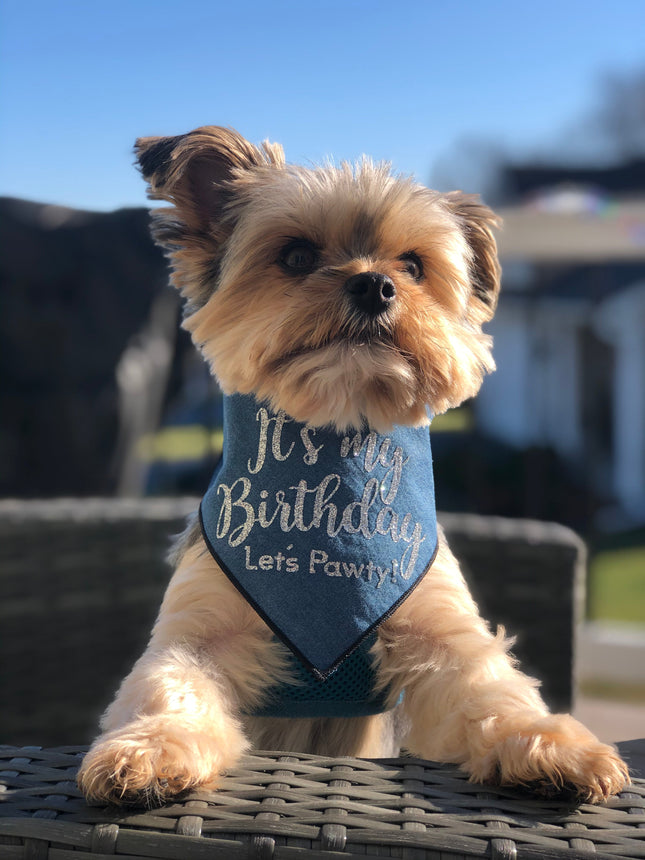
[(552, 753), (150, 761)]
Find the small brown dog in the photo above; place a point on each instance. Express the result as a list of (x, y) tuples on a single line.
[(337, 305)]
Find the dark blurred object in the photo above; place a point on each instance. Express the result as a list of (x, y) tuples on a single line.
[(189, 444), (522, 180), (477, 473), (74, 289), (81, 582)]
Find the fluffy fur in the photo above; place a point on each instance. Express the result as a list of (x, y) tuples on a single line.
[(264, 254)]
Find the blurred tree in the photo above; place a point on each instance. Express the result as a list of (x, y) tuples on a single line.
[(612, 131), (620, 116), (474, 165)]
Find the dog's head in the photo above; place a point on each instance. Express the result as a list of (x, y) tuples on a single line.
[(338, 294)]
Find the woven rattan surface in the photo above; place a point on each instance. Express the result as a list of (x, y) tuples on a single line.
[(81, 581), (283, 805)]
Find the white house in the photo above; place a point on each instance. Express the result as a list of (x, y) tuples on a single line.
[(570, 339)]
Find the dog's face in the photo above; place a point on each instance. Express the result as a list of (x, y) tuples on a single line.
[(337, 294)]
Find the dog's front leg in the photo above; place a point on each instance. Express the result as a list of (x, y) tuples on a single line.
[(467, 703), (174, 724), (170, 729)]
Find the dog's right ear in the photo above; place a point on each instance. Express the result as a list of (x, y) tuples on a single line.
[(194, 171), (198, 172)]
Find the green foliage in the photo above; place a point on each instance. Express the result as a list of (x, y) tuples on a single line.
[(617, 692), (617, 585)]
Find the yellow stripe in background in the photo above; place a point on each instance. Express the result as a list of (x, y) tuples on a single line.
[(196, 442), (458, 420), (186, 442)]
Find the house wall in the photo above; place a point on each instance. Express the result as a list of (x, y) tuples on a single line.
[(621, 320), (534, 398), (503, 406), (556, 377)]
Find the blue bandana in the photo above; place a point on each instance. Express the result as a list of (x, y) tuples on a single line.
[(325, 534)]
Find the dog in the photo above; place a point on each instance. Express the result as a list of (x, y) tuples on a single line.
[(315, 605)]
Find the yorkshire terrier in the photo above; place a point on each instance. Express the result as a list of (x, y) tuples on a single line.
[(316, 606)]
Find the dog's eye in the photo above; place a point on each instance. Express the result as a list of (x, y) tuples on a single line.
[(299, 256), (412, 264)]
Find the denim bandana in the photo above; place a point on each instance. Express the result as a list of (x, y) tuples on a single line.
[(325, 534)]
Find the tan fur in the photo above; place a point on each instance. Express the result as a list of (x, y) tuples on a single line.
[(291, 346), (178, 720)]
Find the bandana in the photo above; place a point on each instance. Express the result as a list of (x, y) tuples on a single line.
[(325, 534)]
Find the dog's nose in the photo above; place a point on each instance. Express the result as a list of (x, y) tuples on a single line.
[(371, 292)]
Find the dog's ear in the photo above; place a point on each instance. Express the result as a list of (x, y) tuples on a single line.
[(194, 170), (478, 223), (199, 173)]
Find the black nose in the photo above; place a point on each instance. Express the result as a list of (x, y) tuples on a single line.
[(371, 292)]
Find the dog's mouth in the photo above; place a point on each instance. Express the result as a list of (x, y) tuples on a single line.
[(349, 341)]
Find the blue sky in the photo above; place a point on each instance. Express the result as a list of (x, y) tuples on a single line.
[(406, 81)]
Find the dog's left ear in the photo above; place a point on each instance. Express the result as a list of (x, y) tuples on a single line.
[(478, 222)]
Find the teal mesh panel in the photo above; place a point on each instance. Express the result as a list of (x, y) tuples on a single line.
[(347, 692)]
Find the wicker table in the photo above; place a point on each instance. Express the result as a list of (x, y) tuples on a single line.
[(286, 806)]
